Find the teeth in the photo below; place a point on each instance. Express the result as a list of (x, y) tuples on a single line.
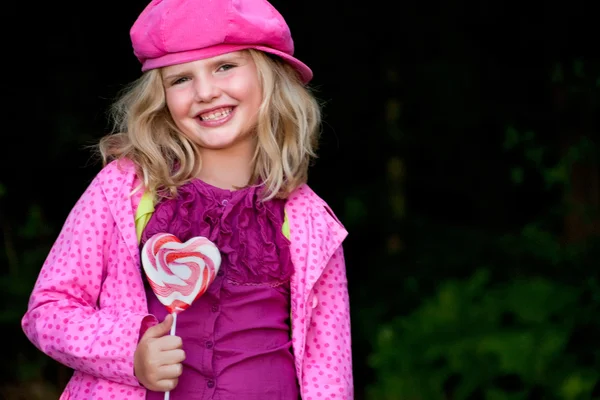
[(216, 115)]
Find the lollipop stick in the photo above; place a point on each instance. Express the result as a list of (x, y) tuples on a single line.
[(167, 394), (174, 323)]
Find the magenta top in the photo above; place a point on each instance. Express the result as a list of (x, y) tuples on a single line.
[(237, 335)]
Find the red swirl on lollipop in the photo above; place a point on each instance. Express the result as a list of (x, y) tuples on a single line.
[(179, 272)]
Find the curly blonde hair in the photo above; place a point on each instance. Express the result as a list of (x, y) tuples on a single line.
[(287, 132)]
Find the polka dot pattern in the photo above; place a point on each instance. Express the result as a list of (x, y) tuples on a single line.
[(88, 307), (320, 300)]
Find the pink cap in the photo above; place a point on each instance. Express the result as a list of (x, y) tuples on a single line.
[(172, 32)]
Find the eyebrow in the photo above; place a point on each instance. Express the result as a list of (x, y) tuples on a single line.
[(228, 57), (231, 56), (218, 60), (173, 75)]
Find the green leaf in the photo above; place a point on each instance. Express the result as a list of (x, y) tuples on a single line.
[(516, 175), (511, 138), (535, 300), (355, 210), (496, 394), (513, 350), (33, 226), (535, 155), (558, 174), (541, 244), (577, 385)]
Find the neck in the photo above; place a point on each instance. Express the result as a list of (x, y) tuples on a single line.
[(227, 168)]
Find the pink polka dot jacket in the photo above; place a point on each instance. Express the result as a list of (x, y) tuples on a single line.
[(88, 307)]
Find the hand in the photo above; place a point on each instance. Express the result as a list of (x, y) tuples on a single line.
[(157, 358)]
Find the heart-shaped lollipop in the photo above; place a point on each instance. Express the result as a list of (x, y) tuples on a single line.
[(179, 272)]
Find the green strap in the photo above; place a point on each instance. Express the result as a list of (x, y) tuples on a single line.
[(146, 208)]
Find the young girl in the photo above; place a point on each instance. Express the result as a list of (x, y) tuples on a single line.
[(213, 140)]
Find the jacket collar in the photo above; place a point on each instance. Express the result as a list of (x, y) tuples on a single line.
[(118, 187), (315, 232)]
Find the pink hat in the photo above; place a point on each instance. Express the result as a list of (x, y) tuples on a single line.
[(172, 32)]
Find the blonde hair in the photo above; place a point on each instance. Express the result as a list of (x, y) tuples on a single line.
[(287, 131)]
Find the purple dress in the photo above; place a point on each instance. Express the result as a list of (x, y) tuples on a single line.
[(237, 335)]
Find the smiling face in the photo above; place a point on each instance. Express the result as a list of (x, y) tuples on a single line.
[(215, 102)]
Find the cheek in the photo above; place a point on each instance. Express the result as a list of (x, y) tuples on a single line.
[(177, 104), (247, 88), (254, 96)]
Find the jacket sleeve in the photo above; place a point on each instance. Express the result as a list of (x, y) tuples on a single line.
[(327, 372), (65, 319)]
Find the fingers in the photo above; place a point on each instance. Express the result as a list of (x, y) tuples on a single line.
[(160, 329), (173, 357), (168, 377), (158, 357), (164, 377), (166, 343), (167, 372), (166, 385)]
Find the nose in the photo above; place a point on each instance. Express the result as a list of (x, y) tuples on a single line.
[(206, 90)]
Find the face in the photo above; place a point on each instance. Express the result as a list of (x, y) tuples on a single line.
[(215, 101)]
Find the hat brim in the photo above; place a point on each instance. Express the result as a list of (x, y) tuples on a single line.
[(303, 70)]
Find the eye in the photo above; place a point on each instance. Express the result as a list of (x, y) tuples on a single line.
[(226, 67), (177, 81)]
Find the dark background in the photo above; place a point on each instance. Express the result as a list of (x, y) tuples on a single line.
[(460, 150)]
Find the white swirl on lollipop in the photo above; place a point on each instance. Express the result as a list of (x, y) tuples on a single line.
[(179, 272)]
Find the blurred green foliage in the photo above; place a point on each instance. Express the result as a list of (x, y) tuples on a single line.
[(30, 374), (479, 339), (504, 314)]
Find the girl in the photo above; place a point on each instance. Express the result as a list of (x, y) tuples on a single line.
[(213, 140)]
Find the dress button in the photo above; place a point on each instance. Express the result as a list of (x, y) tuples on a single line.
[(214, 308), (209, 344), (210, 384), (225, 202)]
